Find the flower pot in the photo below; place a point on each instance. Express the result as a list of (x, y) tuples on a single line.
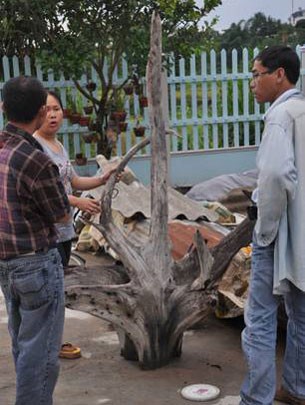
[(143, 102), (80, 160), (91, 86), (66, 112), (139, 131), (118, 116), (84, 121), (74, 118), (88, 109), (88, 138)]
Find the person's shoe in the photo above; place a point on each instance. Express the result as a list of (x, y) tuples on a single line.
[(69, 351), (284, 396)]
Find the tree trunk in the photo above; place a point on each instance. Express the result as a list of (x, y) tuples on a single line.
[(104, 147), (105, 144), (152, 299)]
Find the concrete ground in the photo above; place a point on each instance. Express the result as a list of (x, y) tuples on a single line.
[(210, 355)]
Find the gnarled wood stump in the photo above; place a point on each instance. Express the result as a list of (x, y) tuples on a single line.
[(152, 299)]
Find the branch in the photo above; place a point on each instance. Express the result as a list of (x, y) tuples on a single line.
[(159, 178), (185, 270), (84, 92), (227, 248), (99, 70), (189, 307), (128, 252), (106, 197), (205, 263)]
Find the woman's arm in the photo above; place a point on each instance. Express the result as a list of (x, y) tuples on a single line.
[(87, 183)]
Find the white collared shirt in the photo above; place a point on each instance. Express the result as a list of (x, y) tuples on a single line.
[(280, 194)]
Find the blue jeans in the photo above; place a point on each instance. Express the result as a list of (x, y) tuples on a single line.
[(259, 335), (34, 295)]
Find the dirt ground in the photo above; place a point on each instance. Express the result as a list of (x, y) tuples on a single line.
[(211, 355)]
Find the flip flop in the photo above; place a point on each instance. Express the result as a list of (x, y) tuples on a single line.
[(69, 351)]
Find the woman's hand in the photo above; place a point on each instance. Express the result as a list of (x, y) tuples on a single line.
[(89, 205), (105, 177)]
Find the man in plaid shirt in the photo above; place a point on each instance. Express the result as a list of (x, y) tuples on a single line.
[(32, 200)]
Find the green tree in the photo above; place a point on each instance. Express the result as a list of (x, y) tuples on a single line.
[(260, 31), (234, 37), (23, 24), (74, 36)]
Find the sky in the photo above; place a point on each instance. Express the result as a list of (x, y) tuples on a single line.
[(235, 10)]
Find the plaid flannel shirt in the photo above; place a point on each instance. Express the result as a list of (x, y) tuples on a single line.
[(32, 197)]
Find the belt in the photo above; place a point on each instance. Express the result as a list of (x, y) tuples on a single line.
[(34, 252)]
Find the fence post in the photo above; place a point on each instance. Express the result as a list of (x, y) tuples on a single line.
[(303, 67)]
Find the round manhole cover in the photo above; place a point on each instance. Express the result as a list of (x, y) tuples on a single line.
[(200, 392)]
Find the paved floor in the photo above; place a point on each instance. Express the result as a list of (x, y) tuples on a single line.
[(210, 355)]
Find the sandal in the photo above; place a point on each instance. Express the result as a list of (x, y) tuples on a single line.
[(69, 351)]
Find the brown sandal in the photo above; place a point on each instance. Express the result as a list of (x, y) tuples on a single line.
[(69, 351)]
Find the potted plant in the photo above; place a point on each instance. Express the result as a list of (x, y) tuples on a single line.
[(118, 116), (67, 112), (87, 137), (80, 159), (139, 130), (84, 121), (74, 118), (117, 104), (91, 86)]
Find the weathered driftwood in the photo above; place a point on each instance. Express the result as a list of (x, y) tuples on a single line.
[(151, 300)]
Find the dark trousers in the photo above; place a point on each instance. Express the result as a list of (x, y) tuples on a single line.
[(64, 249)]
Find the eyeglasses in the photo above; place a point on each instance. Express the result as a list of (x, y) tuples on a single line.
[(256, 75)]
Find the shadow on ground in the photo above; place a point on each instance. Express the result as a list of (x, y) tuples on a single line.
[(211, 355)]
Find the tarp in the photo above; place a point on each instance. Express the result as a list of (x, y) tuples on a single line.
[(219, 187)]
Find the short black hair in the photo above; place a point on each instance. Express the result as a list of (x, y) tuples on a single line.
[(56, 96), (23, 96), (277, 56)]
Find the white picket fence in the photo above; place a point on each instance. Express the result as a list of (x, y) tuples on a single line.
[(209, 102)]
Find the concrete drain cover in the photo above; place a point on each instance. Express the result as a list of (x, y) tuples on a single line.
[(200, 392)]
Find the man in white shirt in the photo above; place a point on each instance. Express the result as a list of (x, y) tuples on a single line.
[(278, 259)]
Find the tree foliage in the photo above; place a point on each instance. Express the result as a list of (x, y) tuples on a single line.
[(25, 24), (260, 31), (74, 36), (95, 29)]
